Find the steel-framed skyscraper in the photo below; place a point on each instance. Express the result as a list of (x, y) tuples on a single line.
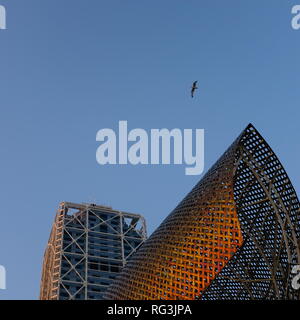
[(234, 236), (88, 246)]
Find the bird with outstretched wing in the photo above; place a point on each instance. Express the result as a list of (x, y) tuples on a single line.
[(194, 88)]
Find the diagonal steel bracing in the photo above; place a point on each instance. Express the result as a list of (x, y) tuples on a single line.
[(88, 246)]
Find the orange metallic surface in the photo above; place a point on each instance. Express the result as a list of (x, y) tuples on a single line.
[(234, 236), (191, 246)]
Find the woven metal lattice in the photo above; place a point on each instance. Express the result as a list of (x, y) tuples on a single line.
[(235, 235)]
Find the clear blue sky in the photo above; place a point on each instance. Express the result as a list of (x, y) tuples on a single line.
[(69, 68)]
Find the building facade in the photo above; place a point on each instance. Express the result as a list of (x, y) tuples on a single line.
[(87, 248), (234, 236)]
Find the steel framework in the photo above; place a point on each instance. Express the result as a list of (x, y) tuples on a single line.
[(88, 246), (234, 236)]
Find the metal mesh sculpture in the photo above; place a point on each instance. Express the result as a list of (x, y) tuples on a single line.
[(234, 236)]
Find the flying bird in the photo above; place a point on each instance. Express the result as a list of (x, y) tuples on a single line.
[(194, 88)]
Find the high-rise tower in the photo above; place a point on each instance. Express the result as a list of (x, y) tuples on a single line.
[(88, 247)]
